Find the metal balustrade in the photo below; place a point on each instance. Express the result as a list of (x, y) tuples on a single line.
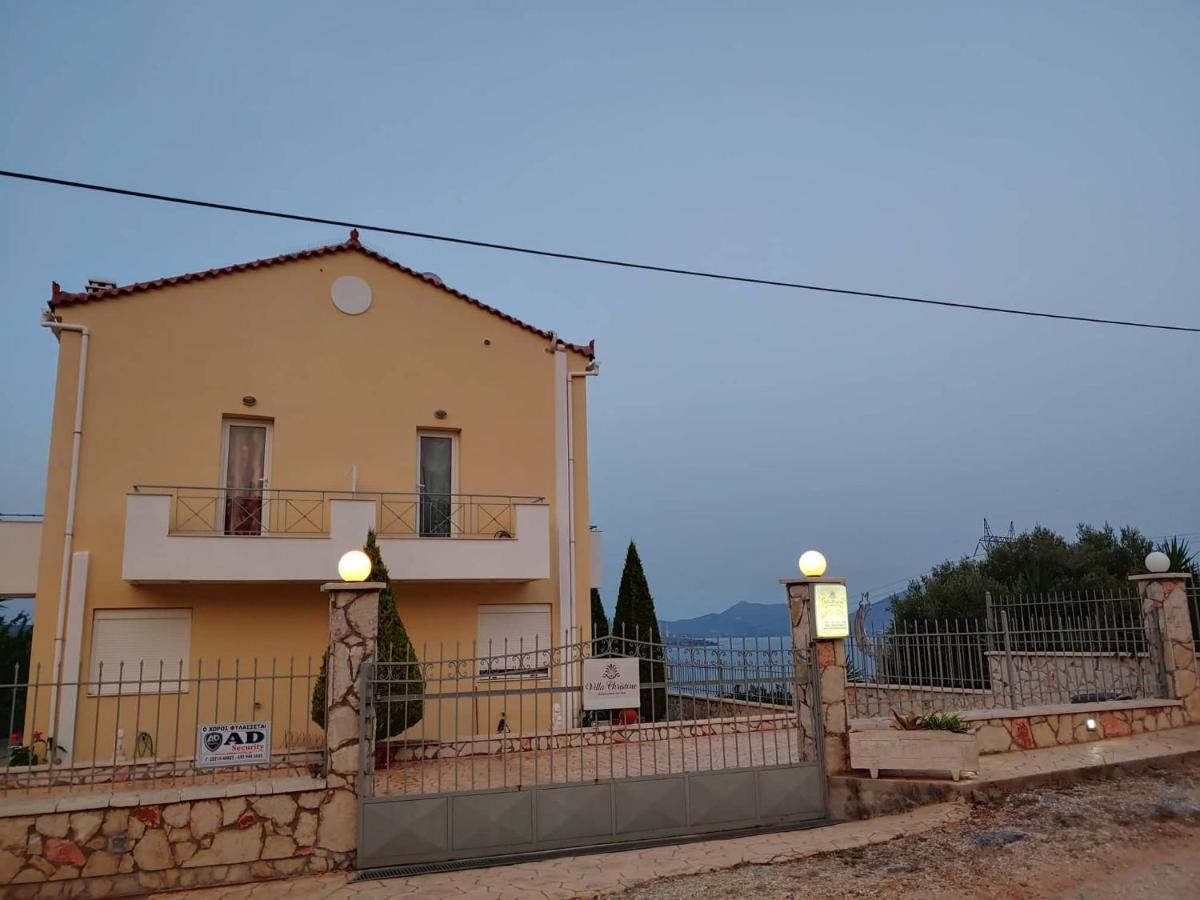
[(297, 512)]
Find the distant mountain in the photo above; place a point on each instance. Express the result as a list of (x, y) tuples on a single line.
[(740, 620), (758, 620)]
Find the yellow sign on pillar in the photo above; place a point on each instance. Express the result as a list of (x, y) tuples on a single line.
[(831, 609)]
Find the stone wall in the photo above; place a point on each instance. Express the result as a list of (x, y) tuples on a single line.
[(1036, 728), (683, 707), (1057, 677), (866, 699), (1039, 678), (1165, 605), (135, 842)]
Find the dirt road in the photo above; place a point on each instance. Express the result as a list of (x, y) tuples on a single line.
[(1135, 837)]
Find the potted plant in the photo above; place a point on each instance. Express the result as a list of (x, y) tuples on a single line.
[(37, 753), (920, 743)]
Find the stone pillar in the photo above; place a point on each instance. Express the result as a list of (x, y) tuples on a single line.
[(824, 694), (353, 628), (1165, 602)]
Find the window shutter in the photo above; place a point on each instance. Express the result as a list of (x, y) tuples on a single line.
[(526, 628), (146, 647)]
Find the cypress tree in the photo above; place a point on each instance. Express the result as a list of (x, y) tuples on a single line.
[(599, 619), (398, 695), (635, 625)]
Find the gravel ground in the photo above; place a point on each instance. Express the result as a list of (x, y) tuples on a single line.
[(1128, 837)]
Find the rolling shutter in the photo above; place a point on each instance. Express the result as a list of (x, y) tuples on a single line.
[(139, 646)]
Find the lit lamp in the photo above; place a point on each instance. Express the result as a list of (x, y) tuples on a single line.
[(1158, 562), (354, 566), (812, 563)]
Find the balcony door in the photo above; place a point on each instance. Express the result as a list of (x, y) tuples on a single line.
[(245, 473), (436, 478)]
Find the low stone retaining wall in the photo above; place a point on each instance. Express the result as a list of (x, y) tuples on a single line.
[(1034, 728), (1038, 727), (138, 841)]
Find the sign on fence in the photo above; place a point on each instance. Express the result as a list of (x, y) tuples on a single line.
[(233, 744), (832, 610), (611, 683)]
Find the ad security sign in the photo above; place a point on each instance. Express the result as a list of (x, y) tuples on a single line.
[(233, 744)]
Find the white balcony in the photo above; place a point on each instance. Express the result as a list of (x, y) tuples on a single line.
[(200, 535)]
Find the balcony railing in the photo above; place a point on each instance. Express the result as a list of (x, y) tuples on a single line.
[(212, 511)]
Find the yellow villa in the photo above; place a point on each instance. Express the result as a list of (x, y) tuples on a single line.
[(221, 438)]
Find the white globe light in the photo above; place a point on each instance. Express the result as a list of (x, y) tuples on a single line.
[(354, 566), (1158, 562), (812, 563)]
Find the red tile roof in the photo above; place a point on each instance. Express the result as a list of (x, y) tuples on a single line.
[(60, 298)]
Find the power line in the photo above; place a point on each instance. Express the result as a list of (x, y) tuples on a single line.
[(578, 257)]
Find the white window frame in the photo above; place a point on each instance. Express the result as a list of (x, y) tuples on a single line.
[(456, 520), (226, 422), (541, 667), (129, 682)]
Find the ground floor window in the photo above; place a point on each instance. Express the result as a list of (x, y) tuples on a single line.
[(140, 650), (514, 640)]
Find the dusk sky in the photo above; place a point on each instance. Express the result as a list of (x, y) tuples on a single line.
[(1043, 156)]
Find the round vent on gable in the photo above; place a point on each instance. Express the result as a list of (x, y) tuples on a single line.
[(351, 295)]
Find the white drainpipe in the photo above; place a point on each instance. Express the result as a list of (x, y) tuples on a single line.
[(565, 454), (69, 530), (593, 369)]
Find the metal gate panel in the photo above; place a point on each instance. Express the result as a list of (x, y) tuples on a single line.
[(401, 830), (578, 811), (797, 791), (724, 739), (649, 804), (717, 797), (420, 828), (498, 819)]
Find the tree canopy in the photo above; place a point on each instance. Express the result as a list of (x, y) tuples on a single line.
[(1034, 562), (16, 642), (599, 618), (634, 619)]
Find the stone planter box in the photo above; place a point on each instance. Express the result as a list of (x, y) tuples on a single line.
[(914, 751)]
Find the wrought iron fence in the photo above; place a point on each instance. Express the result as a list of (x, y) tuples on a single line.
[(511, 715), (139, 726), (1025, 651), (282, 511)]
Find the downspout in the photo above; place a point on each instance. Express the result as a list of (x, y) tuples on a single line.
[(562, 526), (69, 530), (593, 369)]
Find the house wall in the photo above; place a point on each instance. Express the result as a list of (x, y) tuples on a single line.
[(166, 366)]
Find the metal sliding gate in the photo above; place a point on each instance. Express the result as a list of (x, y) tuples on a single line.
[(492, 754)]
